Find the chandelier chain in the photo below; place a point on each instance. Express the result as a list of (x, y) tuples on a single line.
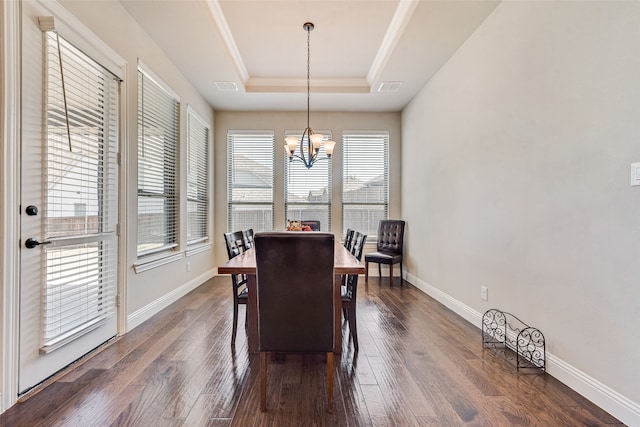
[(306, 142), (308, 73)]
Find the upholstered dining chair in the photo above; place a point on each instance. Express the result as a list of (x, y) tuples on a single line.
[(389, 248), (350, 290), (235, 245), (312, 223), (295, 299)]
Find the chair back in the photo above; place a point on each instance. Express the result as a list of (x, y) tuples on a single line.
[(351, 290), (312, 223), (391, 236), (248, 238), (235, 243), (295, 291), (359, 240), (348, 240), (351, 281)]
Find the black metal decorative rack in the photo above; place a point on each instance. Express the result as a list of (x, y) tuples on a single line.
[(518, 342)]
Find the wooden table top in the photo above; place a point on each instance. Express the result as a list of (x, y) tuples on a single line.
[(245, 263)]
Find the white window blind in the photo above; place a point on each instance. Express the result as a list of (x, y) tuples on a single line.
[(197, 179), (308, 191), (365, 181), (158, 118), (250, 179), (80, 177)]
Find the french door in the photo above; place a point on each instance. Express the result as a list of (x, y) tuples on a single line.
[(69, 204)]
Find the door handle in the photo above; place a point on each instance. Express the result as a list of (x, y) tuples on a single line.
[(31, 243)]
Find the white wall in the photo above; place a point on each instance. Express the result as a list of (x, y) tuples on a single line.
[(515, 164), (336, 122), (149, 291)]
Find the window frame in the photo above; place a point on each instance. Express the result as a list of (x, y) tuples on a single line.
[(81, 105), (202, 160), (267, 156), (361, 139), (169, 193)]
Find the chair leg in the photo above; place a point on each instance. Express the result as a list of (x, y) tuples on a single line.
[(263, 381), (379, 271), (353, 327), (330, 382), (366, 271), (234, 329), (391, 274)]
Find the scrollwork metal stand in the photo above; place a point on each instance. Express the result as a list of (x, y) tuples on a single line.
[(505, 332)]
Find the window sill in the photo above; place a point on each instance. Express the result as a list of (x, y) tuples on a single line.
[(146, 265), (196, 249)]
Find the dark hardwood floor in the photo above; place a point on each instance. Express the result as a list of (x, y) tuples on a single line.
[(419, 365)]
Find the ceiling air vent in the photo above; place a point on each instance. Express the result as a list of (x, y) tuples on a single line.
[(227, 86), (389, 86)]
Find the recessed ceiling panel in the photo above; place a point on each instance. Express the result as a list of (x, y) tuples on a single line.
[(344, 43)]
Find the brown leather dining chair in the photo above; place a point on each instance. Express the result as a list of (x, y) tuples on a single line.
[(349, 291), (235, 245), (348, 239), (295, 300), (388, 249), (248, 238)]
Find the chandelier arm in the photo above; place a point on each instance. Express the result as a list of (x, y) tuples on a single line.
[(308, 163)]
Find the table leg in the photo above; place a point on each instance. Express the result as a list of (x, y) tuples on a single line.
[(337, 334), (252, 314)]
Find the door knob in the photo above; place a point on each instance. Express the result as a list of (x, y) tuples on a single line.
[(31, 210), (31, 243)]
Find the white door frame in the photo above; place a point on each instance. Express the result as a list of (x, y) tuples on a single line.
[(10, 197), (10, 143)]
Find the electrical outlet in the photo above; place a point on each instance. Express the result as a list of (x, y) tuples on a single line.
[(188, 266), (484, 293)]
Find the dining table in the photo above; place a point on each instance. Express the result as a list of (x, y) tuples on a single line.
[(245, 263)]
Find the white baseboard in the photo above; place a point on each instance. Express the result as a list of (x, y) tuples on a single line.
[(608, 399), (144, 313)]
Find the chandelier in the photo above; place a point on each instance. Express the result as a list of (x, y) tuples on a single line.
[(310, 142)]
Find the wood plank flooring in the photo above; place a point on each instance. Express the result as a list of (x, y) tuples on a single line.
[(419, 364)]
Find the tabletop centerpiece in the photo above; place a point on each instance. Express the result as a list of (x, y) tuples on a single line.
[(297, 226)]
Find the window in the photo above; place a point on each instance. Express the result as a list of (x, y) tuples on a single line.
[(365, 181), (80, 184), (308, 191), (197, 179), (250, 180), (158, 118)]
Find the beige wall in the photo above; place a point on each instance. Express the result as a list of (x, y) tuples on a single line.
[(144, 290), (515, 160), (336, 122)]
